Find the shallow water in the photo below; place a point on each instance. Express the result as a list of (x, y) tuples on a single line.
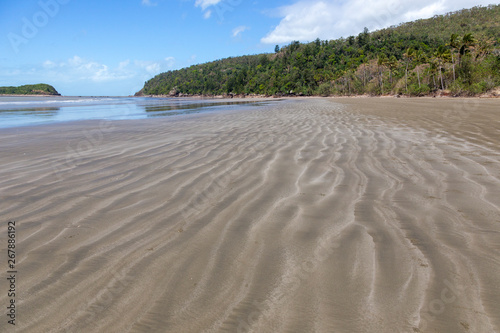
[(36, 110)]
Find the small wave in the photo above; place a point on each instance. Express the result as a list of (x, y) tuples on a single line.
[(54, 101)]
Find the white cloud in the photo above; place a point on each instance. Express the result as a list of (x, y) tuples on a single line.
[(204, 4), (78, 75), (77, 69), (239, 30), (306, 20), (49, 64), (170, 62), (150, 66), (148, 3), (123, 64), (75, 61), (427, 11)]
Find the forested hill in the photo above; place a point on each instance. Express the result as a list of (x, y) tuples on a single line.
[(457, 53), (29, 89)]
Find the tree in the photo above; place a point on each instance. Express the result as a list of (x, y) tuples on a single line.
[(468, 42), (483, 48), (420, 58), (276, 49), (433, 69), (442, 56), (364, 60), (382, 61), (363, 37), (408, 55), (317, 43), (392, 63), (454, 44)]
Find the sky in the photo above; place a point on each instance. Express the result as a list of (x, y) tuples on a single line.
[(110, 48)]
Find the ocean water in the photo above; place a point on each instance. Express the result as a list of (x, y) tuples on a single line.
[(36, 110)]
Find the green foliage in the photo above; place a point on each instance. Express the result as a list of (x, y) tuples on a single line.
[(414, 58), (325, 89), (479, 87), (415, 90), (29, 89)]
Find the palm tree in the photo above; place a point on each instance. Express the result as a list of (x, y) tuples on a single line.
[(392, 63), (363, 64), (350, 77), (382, 61), (442, 56), (454, 45), (433, 69), (409, 54), (420, 58), (483, 48), (468, 42)]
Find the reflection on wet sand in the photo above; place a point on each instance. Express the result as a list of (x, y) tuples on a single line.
[(165, 110), (32, 112), (22, 111)]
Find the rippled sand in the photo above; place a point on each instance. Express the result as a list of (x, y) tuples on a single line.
[(314, 215)]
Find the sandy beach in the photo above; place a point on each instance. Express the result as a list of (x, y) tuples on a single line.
[(307, 215)]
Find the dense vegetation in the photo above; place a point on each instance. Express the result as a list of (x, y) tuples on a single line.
[(29, 89), (458, 52)]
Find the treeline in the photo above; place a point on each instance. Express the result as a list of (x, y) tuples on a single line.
[(459, 52), (29, 89)]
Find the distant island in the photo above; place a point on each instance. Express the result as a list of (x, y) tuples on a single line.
[(30, 89), (456, 54)]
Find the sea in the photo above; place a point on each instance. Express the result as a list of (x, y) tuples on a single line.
[(17, 111)]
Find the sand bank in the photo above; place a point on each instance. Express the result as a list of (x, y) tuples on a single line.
[(313, 215)]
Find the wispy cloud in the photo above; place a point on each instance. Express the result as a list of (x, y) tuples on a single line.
[(239, 30), (204, 4), (78, 75), (306, 20), (148, 3), (78, 69), (427, 11), (49, 64), (170, 62)]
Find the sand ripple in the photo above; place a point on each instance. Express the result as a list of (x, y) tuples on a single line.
[(309, 215)]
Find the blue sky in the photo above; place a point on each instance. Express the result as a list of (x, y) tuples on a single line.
[(107, 47)]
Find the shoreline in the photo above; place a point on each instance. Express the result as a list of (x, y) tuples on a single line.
[(492, 94), (236, 100), (30, 95), (495, 93)]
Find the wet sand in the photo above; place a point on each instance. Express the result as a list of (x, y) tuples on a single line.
[(310, 215)]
